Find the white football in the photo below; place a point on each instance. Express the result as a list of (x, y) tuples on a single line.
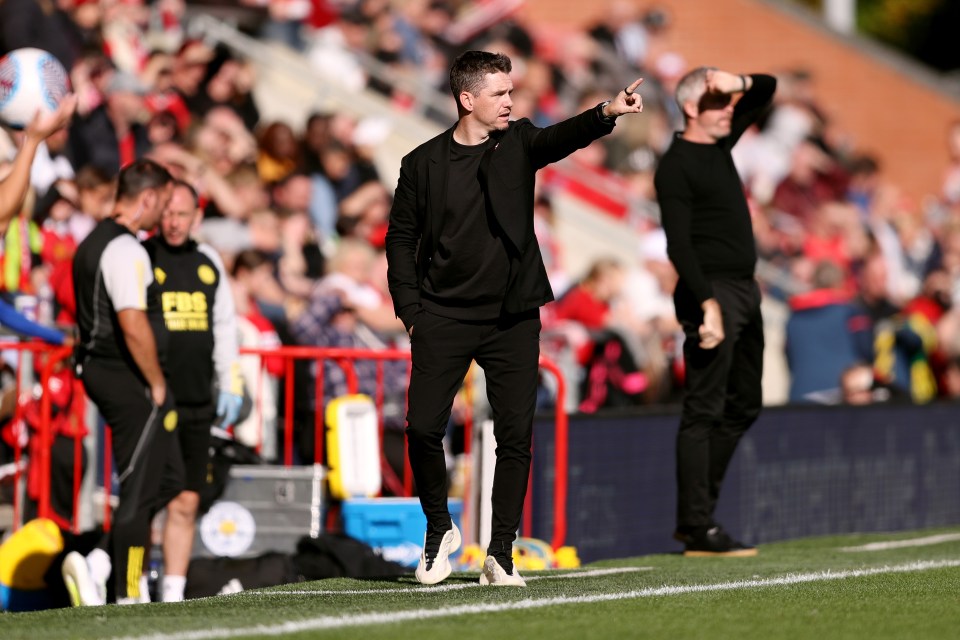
[(30, 80)]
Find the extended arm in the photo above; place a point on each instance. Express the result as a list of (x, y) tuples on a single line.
[(557, 141), (17, 322), (13, 188)]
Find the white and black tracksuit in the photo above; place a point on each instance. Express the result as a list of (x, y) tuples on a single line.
[(112, 272)]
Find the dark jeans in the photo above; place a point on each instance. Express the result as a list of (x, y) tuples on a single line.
[(442, 349), (722, 395)]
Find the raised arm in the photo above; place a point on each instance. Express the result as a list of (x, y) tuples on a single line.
[(757, 89), (13, 188), (557, 141)]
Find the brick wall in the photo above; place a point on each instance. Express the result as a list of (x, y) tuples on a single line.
[(885, 111)]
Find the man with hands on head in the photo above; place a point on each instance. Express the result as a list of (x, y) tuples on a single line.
[(467, 280), (710, 243), (199, 316), (13, 188)]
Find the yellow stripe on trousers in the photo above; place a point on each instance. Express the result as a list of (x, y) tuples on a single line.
[(134, 569)]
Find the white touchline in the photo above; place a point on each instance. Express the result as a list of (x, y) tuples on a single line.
[(457, 586), (388, 617), (902, 544)]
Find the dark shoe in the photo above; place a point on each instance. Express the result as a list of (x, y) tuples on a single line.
[(714, 541)]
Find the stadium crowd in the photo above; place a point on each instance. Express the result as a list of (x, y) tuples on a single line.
[(299, 212)]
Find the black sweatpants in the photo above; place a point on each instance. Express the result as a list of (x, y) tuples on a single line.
[(508, 350), (148, 462), (722, 395)]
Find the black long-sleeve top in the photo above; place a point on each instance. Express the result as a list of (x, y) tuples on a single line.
[(703, 208)]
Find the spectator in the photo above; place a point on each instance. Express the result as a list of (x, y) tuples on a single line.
[(814, 179), (164, 98), (113, 134), (588, 302), (343, 310), (821, 340), (279, 154), (228, 83), (40, 24), (189, 70), (893, 343), (858, 386), (951, 178), (251, 275)]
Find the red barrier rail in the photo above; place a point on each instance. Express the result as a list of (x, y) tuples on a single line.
[(560, 460), (342, 355), (46, 360), (345, 359)]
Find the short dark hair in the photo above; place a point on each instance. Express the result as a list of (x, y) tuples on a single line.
[(248, 260), (470, 68), (183, 184), (90, 177), (139, 176)]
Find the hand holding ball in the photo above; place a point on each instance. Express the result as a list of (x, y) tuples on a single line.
[(33, 88)]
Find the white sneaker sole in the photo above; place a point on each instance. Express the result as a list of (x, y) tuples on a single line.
[(494, 575), (79, 583), (441, 568)]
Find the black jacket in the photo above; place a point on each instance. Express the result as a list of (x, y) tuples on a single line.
[(93, 140), (507, 176)]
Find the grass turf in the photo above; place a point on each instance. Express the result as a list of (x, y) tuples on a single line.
[(665, 596)]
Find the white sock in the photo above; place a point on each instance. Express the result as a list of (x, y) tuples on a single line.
[(144, 589), (173, 588), (128, 600)]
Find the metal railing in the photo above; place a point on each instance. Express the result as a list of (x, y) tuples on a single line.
[(40, 465)]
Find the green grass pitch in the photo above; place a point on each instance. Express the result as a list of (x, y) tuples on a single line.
[(816, 588)]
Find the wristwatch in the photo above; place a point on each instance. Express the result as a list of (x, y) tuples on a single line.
[(605, 119)]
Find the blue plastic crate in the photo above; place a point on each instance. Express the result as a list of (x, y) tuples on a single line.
[(392, 526)]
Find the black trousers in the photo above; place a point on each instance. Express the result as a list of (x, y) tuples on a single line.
[(442, 349), (722, 395), (148, 462)]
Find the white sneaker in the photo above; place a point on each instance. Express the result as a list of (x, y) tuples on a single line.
[(80, 585), (438, 568), (493, 574), (100, 567)]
